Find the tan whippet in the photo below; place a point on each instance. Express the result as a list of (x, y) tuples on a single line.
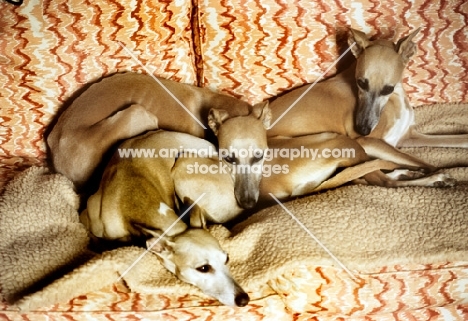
[(299, 166), (219, 175), (136, 199), (126, 105), (367, 99)]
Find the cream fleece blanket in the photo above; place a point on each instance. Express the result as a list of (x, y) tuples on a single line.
[(365, 227)]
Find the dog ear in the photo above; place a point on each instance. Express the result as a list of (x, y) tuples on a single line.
[(156, 241), (406, 47), (361, 40), (263, 112), (216, 117), (197, 217), (163, 247)]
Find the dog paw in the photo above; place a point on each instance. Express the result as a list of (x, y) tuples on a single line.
[(408, 175), (405, 174), (444, 180)]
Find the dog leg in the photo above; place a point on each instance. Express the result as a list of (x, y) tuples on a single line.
[(416, 139), (129, 122), (404, 174), (377, 148), (381, 179), (126, 123)]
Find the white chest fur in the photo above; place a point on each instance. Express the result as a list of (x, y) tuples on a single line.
[(404, 118)]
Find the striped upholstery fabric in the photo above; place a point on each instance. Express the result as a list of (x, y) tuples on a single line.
[(250, 49), (253, 50), (426, 292), (258, 49), (51, 49)]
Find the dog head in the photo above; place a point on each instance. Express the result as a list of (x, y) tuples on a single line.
[(196, 257), (379, 71), (242, 143)]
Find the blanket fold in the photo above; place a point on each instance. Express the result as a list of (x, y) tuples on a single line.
[(40, 234)]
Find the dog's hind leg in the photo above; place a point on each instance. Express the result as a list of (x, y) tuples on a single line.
[(126, 123), (82, 152)]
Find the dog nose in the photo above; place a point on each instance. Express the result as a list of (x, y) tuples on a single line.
[(242, 299), (248, 204), (364, 130), (246, 200)]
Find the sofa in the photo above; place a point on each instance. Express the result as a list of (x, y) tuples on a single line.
[(405, 249)]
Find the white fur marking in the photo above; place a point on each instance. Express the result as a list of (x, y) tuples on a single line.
[(159, 239), (163, 208), (402, 125)]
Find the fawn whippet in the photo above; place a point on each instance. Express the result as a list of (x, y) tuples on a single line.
[(367, 99), (136, 199), (298, 166), (217, 175), (126, 105)]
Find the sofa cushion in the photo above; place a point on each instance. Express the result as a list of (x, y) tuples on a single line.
[(258, 49), (50, 49)]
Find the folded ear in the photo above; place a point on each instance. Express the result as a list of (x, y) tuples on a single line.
[(156, 241), (216, 117), (406, 47), (197, 215), (162, 246), (361, 40), (263, 112)]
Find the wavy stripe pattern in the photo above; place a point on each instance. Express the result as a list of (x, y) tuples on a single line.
[(252, 50), (275, 45), (418, 292), (50, 49), (324, 291)]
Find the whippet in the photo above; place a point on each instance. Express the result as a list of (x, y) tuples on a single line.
[(367, 99), (232, 176), (136, 199), (126, 105), (298, 166)]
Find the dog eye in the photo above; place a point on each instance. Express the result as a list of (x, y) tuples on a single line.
[(227, 259), (257, 157), (363, 83), (230, 159), (204, 268), (387, 90)]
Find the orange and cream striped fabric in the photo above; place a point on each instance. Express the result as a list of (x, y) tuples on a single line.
[(51, 49), (257, 49), (428, 292), (250, 49), (253, 50)]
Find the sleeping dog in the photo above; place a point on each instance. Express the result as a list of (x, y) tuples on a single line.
[(136, 199)]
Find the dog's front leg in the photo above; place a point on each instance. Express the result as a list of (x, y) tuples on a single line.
[(417, 139), (377, 148)]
